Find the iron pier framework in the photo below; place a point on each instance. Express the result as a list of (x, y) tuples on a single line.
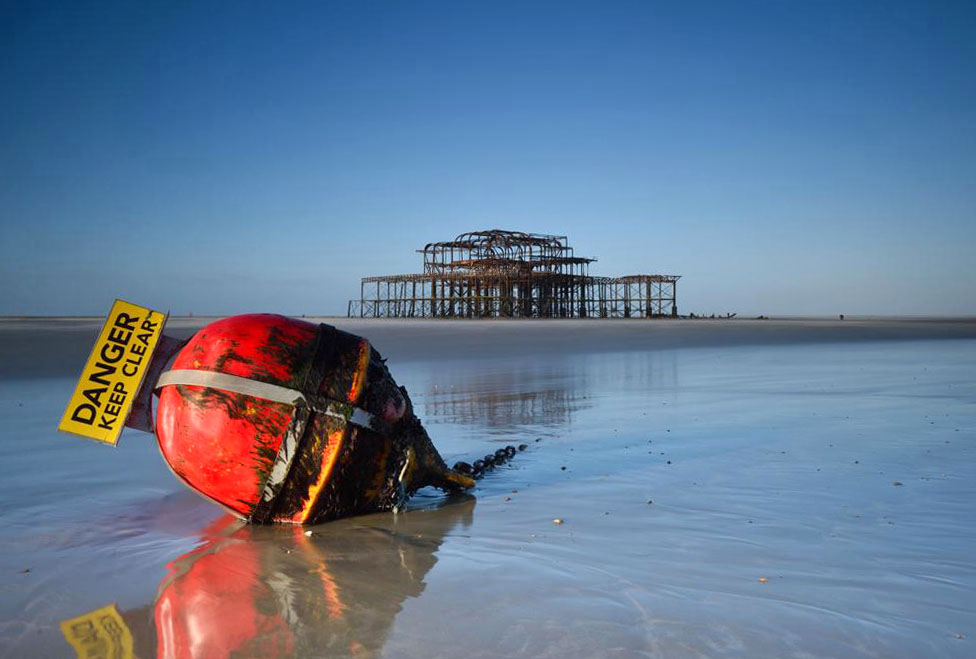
[(510, 274)]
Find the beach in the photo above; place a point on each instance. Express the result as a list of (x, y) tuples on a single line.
[(729, 488)]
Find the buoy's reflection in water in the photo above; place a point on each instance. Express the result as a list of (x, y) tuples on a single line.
[(287, 591)]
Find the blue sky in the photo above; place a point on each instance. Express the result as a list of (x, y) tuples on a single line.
[(784, 157)]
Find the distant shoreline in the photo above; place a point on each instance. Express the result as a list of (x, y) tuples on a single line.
[(58, 346), (789, 318)]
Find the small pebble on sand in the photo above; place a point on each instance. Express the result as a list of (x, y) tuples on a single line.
[(896, 483), (558, 520), (508, 498)]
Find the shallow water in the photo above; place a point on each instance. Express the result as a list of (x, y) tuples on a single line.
[(690, 474)]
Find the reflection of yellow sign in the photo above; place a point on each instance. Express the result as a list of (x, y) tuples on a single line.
[(103, 397), (100, 634)]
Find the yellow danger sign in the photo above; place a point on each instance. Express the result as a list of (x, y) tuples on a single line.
[(108, 386), (99, 634)]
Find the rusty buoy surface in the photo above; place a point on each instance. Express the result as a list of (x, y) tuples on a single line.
[(282, 420)]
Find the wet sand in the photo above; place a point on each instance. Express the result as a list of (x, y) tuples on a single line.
[(701, 458)]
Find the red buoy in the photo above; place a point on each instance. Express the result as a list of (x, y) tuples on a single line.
[(282, 420)]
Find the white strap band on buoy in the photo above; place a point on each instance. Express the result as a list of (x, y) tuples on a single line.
[(273, 392)]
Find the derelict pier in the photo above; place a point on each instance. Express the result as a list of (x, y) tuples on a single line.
[(511, 274)]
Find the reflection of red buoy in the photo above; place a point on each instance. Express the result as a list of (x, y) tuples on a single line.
[(200, 597), (281, 420), (254, 592)]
